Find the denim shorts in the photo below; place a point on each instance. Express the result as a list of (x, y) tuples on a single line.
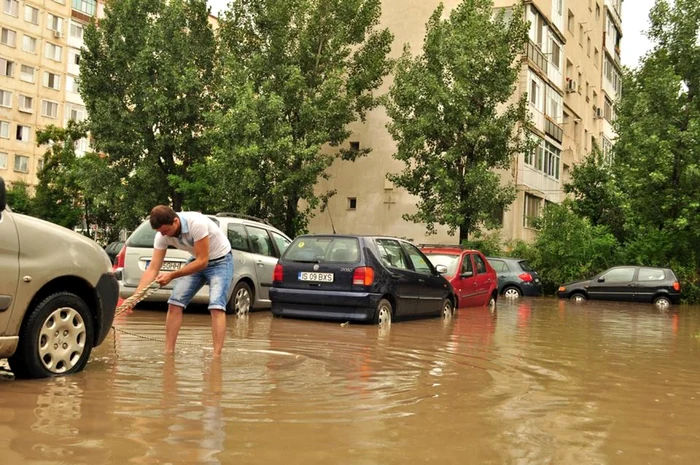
[(218, 274)]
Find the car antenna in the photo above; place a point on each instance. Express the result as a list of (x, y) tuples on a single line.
[(331, 218)]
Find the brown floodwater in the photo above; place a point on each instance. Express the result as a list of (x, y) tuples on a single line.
[(537, 381)]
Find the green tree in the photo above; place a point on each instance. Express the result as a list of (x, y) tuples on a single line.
[(451, 118), (145, 75), (657, 154), (294, 74), (19, 198)]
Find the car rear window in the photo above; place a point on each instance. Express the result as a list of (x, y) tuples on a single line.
[(525, 266), (324, 249), (450, 261), (142, 236)]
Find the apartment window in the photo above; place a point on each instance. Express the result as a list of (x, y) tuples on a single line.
[(26, 73), (570, 23), (86, 6), (559, 6), (76, 30), (72, 84), (8, 37), (533, 205), (21, 164), (40, 164), (53, 51), (76, 114), (5, 129), (606, 149), (49, 109), (554, 104), (11, 7), (352, 203), (29, 44), (608, 110), (3, 161), (556, 54), (26, 103), (5, 98), (7, 67), (31, 14), (552, 158), (52, 80), (73, 56), (23, 133), (54, 23)]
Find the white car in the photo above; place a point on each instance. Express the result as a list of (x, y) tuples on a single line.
[(256, 245)]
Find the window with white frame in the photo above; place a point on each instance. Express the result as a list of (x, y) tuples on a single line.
[(5, 98), (76, 113), (608, 110), (86, 6), (533, 206), (54, 23), (53, 51), (49, 109), (552, 160), (611, 74), (7, 67), (52, 80), (10, 7), (26, 103), (8, 37), (554, 104), (21, 163), (82, 145), (26, 73), (40, 164), (31, 14), (5, 129), (536, 92), (23, 133), (3, 161), (76, 30), (29, 44), (606, 148), (555, 56), (72, 84), (73, 56)]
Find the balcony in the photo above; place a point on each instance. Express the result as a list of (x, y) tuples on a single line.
[(553, 130), (536, 56)]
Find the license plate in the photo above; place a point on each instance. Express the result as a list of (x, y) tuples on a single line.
[(316, 277), (168, 266)]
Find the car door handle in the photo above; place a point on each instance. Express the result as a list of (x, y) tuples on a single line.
[(422, 281), (260, 263)]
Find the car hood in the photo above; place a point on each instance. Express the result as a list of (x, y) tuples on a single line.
[(577, 284)]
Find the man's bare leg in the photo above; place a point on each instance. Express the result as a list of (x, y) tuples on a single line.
[(218, 330), (172, 327)]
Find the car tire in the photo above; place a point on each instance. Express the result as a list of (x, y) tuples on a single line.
[(492, 301), (512, 292), (662, 301), (241, 301), (56, 339), (578, 297), (447, 310), (384, 313)]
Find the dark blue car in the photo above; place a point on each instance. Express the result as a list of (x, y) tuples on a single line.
[(358, 278)]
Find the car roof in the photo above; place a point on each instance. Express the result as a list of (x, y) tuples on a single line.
[(451, 248)]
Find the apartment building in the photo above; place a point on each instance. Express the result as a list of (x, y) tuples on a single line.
[(571, 74), (40, 42)]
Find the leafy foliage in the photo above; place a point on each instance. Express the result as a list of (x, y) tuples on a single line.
[(451, 119), (19, 198)]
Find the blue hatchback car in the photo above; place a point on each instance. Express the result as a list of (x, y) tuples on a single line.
[(358, 278)]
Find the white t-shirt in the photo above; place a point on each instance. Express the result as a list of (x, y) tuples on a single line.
[(195, 227)]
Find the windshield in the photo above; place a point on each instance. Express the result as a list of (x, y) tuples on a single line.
[(324, 249), (450, 261)]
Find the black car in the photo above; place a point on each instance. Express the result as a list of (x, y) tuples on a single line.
[(627, 283), (358, 278), (515, 277), (113, 249)]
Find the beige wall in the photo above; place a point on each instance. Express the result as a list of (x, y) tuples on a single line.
[(380, 206)]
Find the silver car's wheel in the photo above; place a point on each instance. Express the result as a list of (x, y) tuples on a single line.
[(383, 315), (512, 293), (242, 299), (662, 301), (62, 340), (578, 298)]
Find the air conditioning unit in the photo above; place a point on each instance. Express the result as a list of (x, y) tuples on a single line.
[(57, 34), (598, 113), (571, 86)]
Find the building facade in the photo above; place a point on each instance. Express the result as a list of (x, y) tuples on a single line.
[(40, 42), (571, 74)]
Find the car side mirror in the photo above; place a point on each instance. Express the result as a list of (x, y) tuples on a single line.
[(601, 280), (3, 195), (467, 274), (441, 269)]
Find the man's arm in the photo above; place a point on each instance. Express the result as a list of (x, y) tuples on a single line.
[(201, 259)]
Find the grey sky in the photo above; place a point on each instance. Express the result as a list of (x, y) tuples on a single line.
[(635, 20)]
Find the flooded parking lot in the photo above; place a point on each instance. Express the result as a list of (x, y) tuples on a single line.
[(536, 381)]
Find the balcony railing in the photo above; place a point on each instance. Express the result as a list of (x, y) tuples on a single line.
[(536, 56)]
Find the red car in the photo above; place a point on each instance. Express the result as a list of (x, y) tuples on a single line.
[(474, 281)]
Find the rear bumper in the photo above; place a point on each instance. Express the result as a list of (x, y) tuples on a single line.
[(107, 295), (531, 289), (325, 305)]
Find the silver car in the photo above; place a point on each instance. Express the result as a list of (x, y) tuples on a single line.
[(256, 247)]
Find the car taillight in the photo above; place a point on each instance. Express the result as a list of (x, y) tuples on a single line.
[(277, 275), (527, 277), (677, 286), (119, 260), (363, 276)]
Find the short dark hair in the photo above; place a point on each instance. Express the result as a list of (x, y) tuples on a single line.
[(162, 215)]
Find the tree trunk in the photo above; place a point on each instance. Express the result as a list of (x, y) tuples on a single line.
[(290, 216), (177, 201), (463, 234)]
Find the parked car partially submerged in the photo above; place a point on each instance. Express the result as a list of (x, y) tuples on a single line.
[(515, 277), (358, 278), (627, 283), (474, 281), (58, 296)]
